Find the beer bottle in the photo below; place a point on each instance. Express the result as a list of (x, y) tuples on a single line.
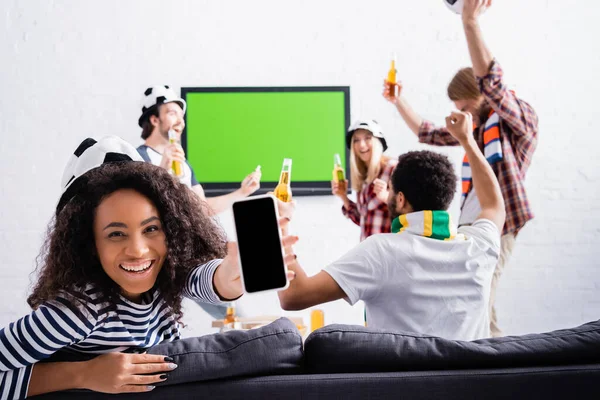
[(283, 191), (230, 313), (391, 78), (317, 320), (338, 171), (175, 165)]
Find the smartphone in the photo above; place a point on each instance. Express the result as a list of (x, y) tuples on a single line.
[(259, 242)]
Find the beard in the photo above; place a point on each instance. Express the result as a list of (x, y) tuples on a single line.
[(482, 113), (392, 207), (164, 132)]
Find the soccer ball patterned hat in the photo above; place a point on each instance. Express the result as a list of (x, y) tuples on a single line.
[(91, 154), (155, 96)]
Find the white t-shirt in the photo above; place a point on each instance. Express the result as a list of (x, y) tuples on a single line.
[(416, 284), (470, 209)]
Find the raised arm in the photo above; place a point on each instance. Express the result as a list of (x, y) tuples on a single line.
[(485, 183), (423, 129), (357, 275), (215, 281), (349, 209), (481, 56), (222, 203), (515, 112), (410, 117), (225, 274), (305, 291), (218, 204)]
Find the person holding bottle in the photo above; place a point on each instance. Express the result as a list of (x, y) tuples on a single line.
[(370, 171), (162, 124), (506, 130), (119, 258), (162, 112), (283, 190), (426, 276)]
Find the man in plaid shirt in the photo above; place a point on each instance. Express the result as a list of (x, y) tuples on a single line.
[(482, 92)]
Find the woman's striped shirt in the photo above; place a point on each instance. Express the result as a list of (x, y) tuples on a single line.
[(83, 322)]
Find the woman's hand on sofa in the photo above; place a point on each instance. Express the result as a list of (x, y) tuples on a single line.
[(125, 373), (108, 373)]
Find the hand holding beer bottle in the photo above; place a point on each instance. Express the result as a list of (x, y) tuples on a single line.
[(339, 184), (391, 86), (340, 189), (173, 152), (338, 171), (283, 191), (251, 183), (176, 168)]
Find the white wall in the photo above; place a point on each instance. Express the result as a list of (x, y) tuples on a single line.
[(72, 69)]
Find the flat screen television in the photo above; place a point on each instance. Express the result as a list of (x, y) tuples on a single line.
[(231, 130)]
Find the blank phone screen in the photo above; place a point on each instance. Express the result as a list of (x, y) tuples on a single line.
[(259, 244)]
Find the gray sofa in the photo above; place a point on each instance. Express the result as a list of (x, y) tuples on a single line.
[(353, 362)]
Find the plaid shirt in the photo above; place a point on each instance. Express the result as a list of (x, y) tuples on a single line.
[(371, 214), (518, 135)]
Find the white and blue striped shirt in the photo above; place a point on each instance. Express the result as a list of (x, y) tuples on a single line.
[(89, 325)]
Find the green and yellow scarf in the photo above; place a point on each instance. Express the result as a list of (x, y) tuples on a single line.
[(432, 224)]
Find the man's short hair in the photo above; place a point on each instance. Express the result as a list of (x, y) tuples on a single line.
[(147, 126), (463, 86), (426, 179)]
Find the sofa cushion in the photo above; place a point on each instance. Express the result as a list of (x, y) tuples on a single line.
[(347, 348), (272, 349)]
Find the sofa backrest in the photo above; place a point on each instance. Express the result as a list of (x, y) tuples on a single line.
[(349, 348), (275, 349)]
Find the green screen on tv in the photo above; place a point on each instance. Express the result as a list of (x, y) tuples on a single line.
[(230, 131)]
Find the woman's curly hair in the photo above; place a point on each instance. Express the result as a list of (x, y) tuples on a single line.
[(68, 261)]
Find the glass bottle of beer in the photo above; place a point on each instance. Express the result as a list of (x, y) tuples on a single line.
[(283, 191), (391, 78), (175, 165), (317, 320), (338, 171), (230, 313)]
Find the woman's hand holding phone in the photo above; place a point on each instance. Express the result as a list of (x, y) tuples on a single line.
[(264, 248)]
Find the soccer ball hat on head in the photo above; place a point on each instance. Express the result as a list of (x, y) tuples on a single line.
[(91, 154), (155, 96), (369, 125), (455, 5)]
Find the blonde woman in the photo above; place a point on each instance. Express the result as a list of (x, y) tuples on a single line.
[(370, 173)]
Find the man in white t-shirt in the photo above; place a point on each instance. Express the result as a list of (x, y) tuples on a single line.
[(163, 110), (425, 277)]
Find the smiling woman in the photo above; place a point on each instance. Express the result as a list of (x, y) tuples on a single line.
[(370, 172), (128, 242), (101, 228)]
